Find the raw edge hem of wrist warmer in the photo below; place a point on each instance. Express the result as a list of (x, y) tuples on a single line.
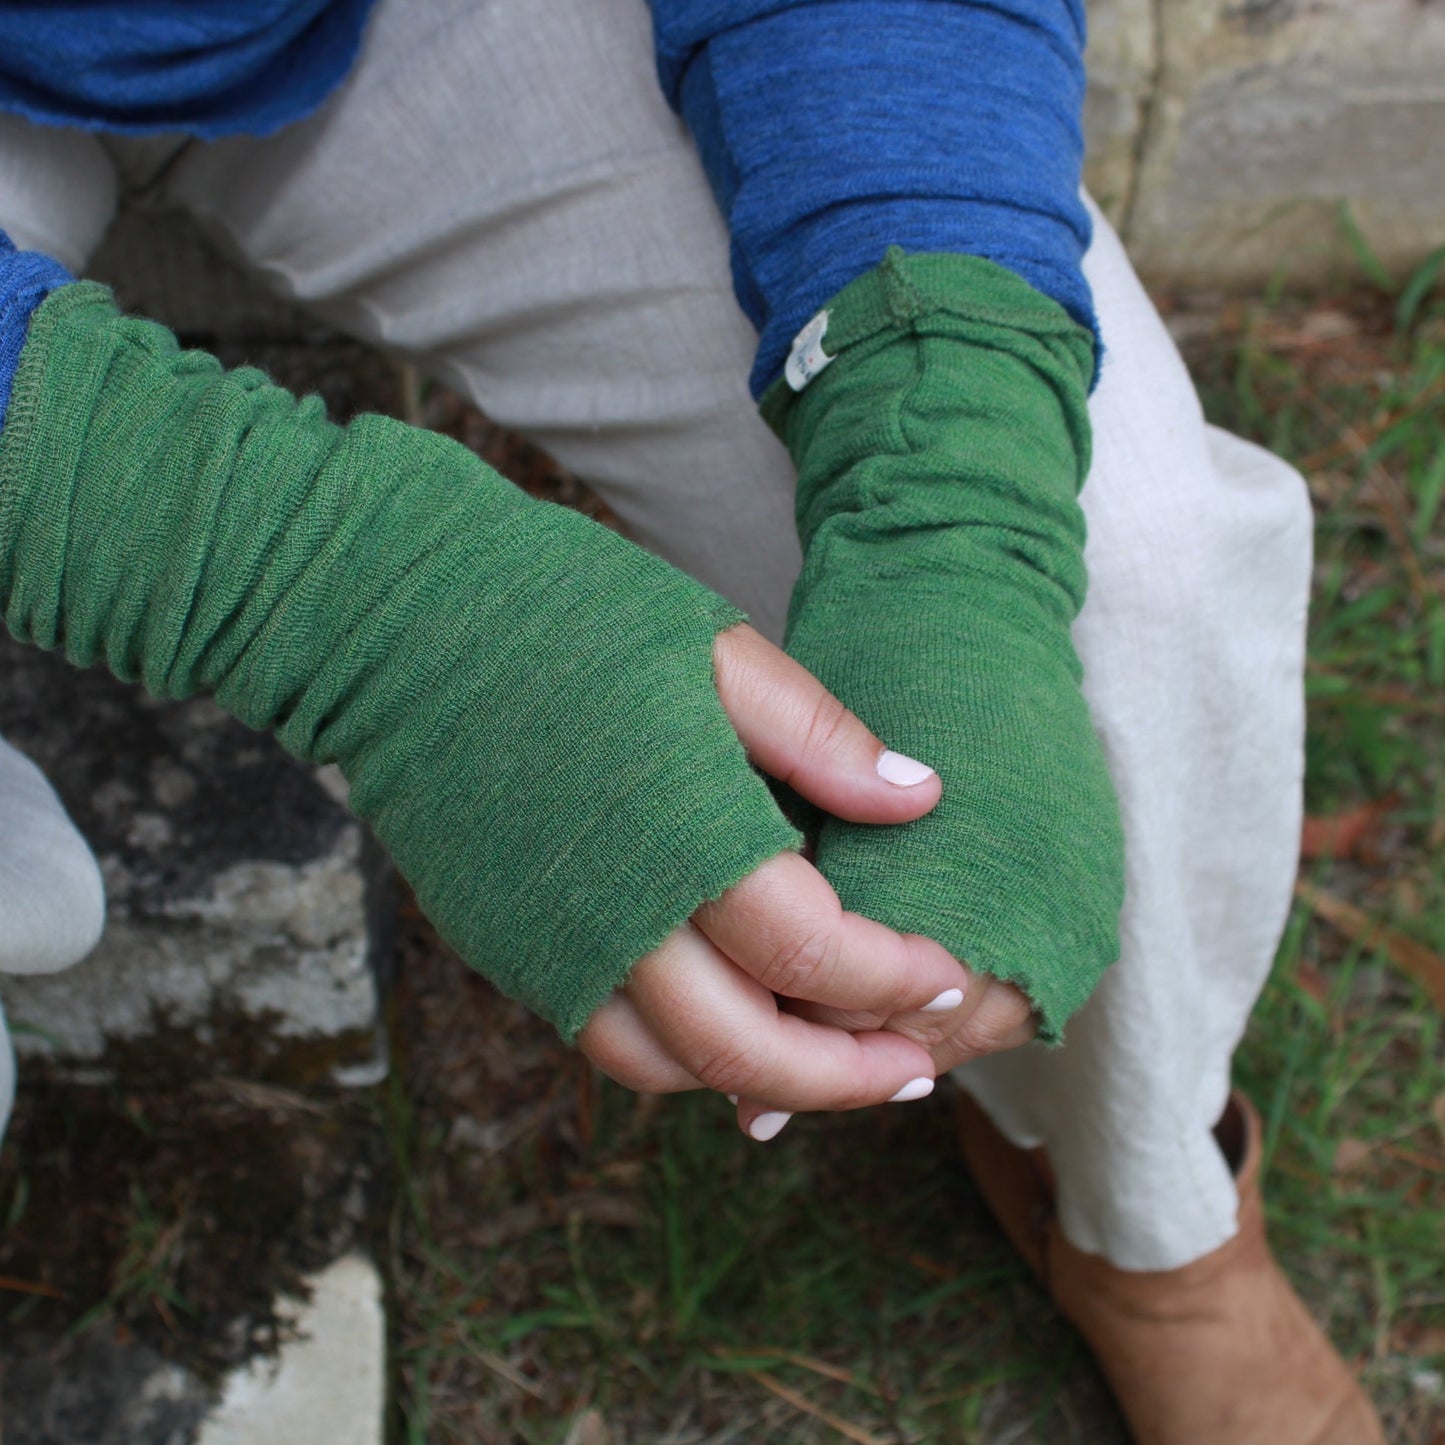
[(607, 982), (1053, 1007)]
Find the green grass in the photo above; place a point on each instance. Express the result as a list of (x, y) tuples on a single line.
[(659, 1281)]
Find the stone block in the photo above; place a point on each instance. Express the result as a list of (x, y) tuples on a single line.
[(112, 1393), (1123, 58), (1268, 115), (248, 914), (329, 1378), (326, 1381), (195, 1266)]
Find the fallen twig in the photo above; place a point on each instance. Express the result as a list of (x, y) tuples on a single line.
[(1359, 439), (803, 1362), (30, 1286), (508, 1372)]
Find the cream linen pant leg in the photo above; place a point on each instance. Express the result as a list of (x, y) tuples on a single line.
[(52, 901), (1192, 640), (500, 193), (57, 195)]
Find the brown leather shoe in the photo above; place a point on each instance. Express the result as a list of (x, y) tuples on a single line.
[(1217, 1352)]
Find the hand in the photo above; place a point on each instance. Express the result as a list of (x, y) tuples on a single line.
[(701, 1010), (992, 1016)]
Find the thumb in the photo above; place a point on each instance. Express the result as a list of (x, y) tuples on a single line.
[(798, 732)]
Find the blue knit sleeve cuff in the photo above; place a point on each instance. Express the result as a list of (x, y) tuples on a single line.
[(26, 279)]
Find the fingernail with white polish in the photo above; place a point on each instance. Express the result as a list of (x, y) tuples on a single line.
[(901, 771), (913, 1089), (769, 1126), (733, 1099), (949, 998)]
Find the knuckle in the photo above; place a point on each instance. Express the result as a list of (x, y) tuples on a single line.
[(990, 1029), (924, 1032), (827, 727), (974, 1040), (858, 1095), (732, 1069), (851, 1020), (801, 962)]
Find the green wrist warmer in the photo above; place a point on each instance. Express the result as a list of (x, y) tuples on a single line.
[(939, 455), (524, 702)]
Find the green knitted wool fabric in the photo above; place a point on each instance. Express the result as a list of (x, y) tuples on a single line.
[(940, 454), (523, 702)]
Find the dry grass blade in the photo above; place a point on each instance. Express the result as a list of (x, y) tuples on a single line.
[(1413, 1157), (500, 1367), (830, 1372), (508, 1226), (803, 1362), (1359, 439), (252, 1095), (1392, 697), (28, 1286), (1422, 964), (845, 1428)]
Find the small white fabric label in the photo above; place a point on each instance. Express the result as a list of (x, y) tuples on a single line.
[(808, 357)]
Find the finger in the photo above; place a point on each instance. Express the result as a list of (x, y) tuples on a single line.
[(1000, 1017), (797, 731), (762, 1122), (783, 926), (617, 1040), (995, 1016), (726, 1030)]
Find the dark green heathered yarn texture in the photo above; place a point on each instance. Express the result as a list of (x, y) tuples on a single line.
[(523, 702), (940, 455)]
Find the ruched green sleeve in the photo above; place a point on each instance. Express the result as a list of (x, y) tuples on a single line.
[(523, 702), (941, 443)]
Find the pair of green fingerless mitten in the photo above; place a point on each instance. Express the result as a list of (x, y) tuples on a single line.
[(524, 702)]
